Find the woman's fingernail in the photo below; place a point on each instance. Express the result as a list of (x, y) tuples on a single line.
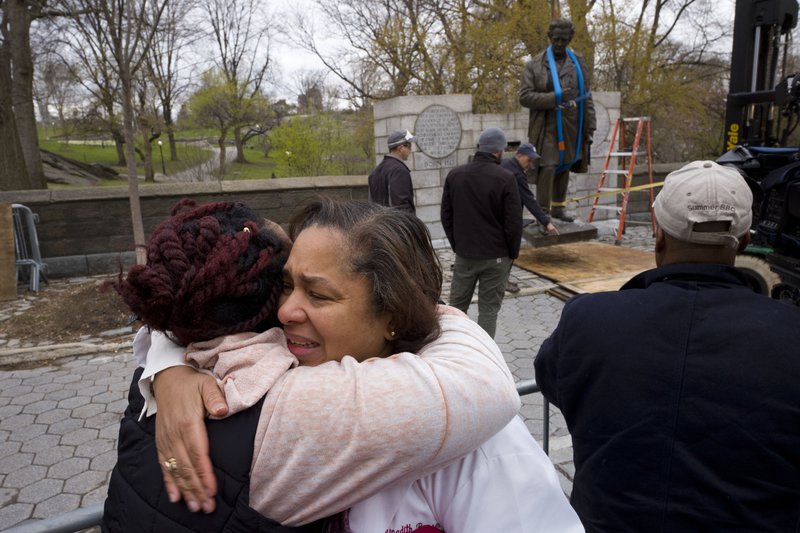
[(208, 506), (193, 506), (217, 408), (173, 496)]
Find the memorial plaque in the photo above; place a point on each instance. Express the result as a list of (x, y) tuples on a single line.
[(425, 162), (438, 131)]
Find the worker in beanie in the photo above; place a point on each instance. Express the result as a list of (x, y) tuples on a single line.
[(482, 218)]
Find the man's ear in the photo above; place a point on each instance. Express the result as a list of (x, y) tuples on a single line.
[(661, 240), (744, 240)]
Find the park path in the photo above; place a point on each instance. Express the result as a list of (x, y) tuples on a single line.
[(205, 171)]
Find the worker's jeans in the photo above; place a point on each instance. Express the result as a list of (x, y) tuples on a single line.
[(490, 275)]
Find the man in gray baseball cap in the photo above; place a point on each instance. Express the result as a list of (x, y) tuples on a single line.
[(390, 183), (680, 390)]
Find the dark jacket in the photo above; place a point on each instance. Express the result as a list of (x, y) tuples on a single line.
[(137, 500), (525, 194), (390, 185), (682, 395), (481, 210)]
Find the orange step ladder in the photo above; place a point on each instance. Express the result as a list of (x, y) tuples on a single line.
[(626, 164)]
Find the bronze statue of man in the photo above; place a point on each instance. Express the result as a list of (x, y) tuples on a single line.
[(555, 87)]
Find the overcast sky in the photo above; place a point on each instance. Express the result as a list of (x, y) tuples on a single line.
[(290, 58)]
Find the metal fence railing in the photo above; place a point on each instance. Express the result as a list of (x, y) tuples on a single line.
[(91, 516), (26, 246)]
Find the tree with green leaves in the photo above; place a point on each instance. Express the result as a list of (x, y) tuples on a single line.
[(211, 106), (319, 145)]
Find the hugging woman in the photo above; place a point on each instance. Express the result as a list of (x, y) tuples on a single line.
[(337, 421)]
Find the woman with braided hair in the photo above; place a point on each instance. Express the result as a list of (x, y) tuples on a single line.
[(218, 261), (211, 270), (361, 280)]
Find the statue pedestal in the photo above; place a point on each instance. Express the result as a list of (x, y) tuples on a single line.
[(568, 232)]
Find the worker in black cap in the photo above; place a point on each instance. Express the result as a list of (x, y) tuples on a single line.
[(518, 165)]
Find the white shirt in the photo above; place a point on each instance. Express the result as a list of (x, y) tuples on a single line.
[(507, 485)]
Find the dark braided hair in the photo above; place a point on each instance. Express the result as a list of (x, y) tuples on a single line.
[(211, 270)]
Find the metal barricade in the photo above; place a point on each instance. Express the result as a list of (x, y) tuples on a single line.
[(26, 245), (81, 518), (529, 386), (91, 516)]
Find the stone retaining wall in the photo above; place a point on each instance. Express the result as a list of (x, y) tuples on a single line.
[(88, 231)]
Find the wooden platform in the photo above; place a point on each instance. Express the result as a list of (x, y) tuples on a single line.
[(585, 266)]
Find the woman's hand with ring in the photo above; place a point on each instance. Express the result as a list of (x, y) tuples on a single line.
[(181, 436), (171, 465)]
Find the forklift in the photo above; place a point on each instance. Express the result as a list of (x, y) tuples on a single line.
[(762, 111)]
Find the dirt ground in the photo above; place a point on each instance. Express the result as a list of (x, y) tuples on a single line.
[(63, 311)]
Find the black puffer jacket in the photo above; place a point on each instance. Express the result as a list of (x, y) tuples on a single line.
[(137, 500)]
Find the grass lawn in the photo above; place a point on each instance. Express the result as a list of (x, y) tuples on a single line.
[(189, 155), (105, 153), (257, 167)]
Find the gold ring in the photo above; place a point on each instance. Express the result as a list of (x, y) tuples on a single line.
[(171, 465)]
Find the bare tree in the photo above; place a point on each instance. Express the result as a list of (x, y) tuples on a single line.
[(425, 46), (148, 123), (242, 38), (18, 16), (664, 58), (163, 63), (57, 88), (86, 51), (13, 172), (129, 28)]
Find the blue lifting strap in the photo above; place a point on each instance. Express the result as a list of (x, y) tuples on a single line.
[(580, 101)]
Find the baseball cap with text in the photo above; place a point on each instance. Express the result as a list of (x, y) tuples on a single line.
[(704, 191)]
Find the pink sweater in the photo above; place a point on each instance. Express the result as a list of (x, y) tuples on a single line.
[(332, 435)]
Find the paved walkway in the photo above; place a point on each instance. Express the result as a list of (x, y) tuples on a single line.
[(59, 422)]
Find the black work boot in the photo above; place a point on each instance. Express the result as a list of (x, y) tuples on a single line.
[(561, 214)]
